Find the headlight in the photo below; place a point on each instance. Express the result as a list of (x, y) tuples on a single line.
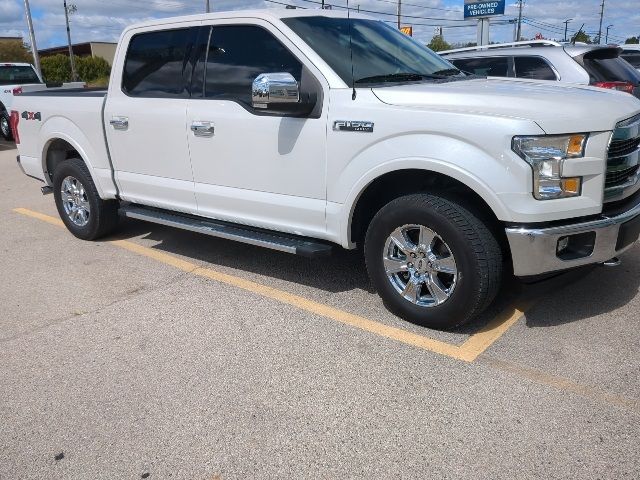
[(546, 155)]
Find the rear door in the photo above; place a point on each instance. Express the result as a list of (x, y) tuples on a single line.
[(145, 118)]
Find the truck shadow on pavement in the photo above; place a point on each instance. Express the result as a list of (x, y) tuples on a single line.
[(343, 271), (569, 297)]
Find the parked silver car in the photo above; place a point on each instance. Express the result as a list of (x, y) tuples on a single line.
[(596, 65)]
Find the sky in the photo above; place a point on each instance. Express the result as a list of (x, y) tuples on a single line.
[(103, 20)]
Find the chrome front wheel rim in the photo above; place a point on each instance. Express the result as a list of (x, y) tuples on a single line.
[(420, 265), (75, 201)]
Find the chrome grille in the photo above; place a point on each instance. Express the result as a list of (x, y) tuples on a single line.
[(623, 171), (620, 177), (623, 147)]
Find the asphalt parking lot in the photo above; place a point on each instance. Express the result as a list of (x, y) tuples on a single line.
[(159, 353)]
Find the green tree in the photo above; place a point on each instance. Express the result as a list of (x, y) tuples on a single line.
[(581, 37), (92, 68), (14, 51), (634, 40), (438, 44), (56, 68)]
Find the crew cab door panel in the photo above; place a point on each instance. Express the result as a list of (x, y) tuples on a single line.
[(250, 166), (145, 120)]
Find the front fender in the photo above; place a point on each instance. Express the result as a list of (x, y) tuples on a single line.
[(472, 166)]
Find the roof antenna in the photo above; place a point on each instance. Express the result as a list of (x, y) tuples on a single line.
[(575, 37), (353, 78)]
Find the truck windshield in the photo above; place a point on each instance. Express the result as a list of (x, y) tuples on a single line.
[(17, 74), (381, 54)]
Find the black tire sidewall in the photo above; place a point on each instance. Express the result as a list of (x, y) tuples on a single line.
[(8, 136), (455, 310), (71, 168)]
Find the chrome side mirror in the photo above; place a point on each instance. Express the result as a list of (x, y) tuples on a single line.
[(274, 89)]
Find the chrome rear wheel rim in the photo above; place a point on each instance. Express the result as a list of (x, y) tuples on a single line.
[(420, 265), (75, 201)]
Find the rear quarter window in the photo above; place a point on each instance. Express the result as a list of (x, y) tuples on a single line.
[(533, 67), (484, 66)]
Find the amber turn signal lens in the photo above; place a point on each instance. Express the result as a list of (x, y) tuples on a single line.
[(575, 147), (572, 185)]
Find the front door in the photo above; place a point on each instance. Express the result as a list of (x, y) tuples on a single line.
[(249, 166), (145, 120)]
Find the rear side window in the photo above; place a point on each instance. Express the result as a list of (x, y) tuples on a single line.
[(485, 66), (533, 67), (237, 54), (606, 66), (632, 56), (17, 74), (156, 64)]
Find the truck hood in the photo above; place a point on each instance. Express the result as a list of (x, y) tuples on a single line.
[(555, 107)]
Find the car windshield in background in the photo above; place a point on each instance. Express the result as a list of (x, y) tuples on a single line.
[(17, 74), (381, 54)]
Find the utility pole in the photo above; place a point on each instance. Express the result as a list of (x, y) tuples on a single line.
[(600, 29), (32, 38), (67, 10), (566, 28), (606, 38), (208, 7), (399, 12), (519, 31)]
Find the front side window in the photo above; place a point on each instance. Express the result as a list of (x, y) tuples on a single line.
[(381, 54), (484, 66), (533, 67), (237, 54), (156, 64)]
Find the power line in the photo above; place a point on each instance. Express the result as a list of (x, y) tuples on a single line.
[(600, 29)]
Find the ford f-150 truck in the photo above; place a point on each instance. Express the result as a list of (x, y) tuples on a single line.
[(17, 78), (305, 130)]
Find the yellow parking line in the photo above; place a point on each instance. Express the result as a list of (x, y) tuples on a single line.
[(467, 352)]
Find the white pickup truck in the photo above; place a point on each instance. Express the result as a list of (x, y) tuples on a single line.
[(305, 130), (18, 78)]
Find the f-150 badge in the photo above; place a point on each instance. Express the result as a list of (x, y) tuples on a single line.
[(352, 126)]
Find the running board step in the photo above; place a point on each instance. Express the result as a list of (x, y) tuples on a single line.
[(282, 242)]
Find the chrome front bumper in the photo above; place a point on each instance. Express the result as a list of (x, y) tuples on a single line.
[(534, 250)]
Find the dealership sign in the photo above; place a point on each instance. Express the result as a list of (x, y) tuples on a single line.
[(479, 9)]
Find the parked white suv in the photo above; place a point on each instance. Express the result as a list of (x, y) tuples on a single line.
[(16, 78), (304, 130), (596, 65)]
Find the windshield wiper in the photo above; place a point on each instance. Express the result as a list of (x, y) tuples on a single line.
[(397, 77), (448, 72)]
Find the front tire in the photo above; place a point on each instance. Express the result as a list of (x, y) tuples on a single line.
[(5, 126), (432, 261), (81, 209)]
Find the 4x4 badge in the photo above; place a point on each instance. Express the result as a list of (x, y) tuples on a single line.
[(352, 126)]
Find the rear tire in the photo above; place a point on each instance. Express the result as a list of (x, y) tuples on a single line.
[(84, 213), (432, 261), (5, 126)]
